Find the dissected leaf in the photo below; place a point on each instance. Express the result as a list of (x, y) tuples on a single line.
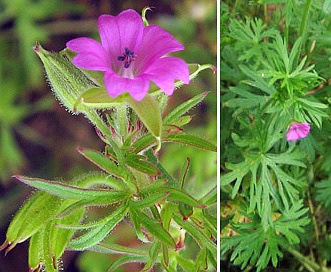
[(68, 191), (118, 249), (196, 233), (139, 163), (98, 233), (174, 115), (153, 255), (152, 226), (127, 259), (106, 164), (190, 140)]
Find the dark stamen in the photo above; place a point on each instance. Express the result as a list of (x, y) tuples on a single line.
[(127, 57)]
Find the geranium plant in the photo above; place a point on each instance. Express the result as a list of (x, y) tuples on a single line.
[(122, 86)]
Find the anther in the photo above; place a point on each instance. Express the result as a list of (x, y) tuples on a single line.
[(127, 57)]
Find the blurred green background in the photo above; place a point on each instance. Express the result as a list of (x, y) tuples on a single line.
[(38, 137)]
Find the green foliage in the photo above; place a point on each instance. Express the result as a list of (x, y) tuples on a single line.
[(135, 186), (272, 75)]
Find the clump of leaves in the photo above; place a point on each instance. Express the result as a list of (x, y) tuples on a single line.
[(276, 83)]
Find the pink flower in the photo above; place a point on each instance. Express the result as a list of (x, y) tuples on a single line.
[(131, 55), (297, 131)]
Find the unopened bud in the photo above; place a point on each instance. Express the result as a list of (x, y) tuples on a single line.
[(66, 80)]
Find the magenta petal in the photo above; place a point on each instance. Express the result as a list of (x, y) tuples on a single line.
[(155, 44), (164, 72), (297, 131), (116, 85), (120, 32), (292, 136), (138, 88), (109, 35), (131, 55), (91, 54)]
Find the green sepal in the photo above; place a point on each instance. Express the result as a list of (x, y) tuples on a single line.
[(147, 109), (98, 98), (97, 234), (195, 69), (191, 140), (22, 215), (149, 113)]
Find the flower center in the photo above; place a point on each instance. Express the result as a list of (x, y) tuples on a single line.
[(128, 56)]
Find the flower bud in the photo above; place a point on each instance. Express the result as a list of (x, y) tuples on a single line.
[(35, 213), (68, 83), (66, 80)]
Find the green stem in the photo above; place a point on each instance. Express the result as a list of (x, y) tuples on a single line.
[(122, 119), (98, 122), (306, 261), (303, 27), (311, 207), (142, 180)]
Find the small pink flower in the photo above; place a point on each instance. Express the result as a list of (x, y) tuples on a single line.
[(297, 131), (131, 55)]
